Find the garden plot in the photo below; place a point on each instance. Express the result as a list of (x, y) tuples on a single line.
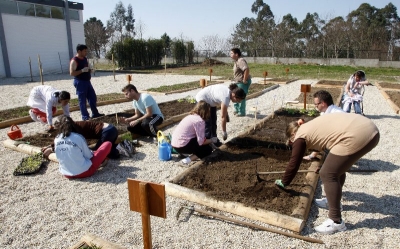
[(227, 180), (391, 92), (330, 83)]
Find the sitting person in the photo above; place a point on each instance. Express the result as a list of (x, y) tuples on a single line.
[(91, 130), (346, 142), (324, 104), (353, 94), (147, 113), (44, 101), (75, 158), (219, 95), (189, 135)]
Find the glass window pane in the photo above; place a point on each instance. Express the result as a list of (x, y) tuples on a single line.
[(9, 7), (74, 15), (26, 9), (42, 10), (57, 12)]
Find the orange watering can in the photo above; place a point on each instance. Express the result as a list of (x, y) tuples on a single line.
[(14, 132)]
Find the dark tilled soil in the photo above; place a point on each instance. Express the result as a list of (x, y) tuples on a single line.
[(232, 177), (258, 87), (389, 85), (335, 92), (331, 82), (394, 96)]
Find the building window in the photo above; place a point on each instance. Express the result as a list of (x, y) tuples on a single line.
[(26, 9), (74, 15), (57, 13), (42, 10), (9, 7)]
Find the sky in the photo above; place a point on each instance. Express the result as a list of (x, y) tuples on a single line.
[(194, 19)]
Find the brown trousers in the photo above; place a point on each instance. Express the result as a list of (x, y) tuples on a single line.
[(333, 176)]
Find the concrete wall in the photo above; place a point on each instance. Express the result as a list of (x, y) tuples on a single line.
[(32, 36), (2, 69)]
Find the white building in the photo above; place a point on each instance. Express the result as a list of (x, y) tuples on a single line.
[(49, 29)]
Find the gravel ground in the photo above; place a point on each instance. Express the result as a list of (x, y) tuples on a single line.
[(49, 211)]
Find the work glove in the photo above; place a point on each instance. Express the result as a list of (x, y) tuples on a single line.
[(85, 70), (279, 183), (224, 135), (214, 140)]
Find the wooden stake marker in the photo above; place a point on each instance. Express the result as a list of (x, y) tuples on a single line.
[(129, 78), (305, 88), (210, 71), (203, 83), (265, 74), (149, 199)]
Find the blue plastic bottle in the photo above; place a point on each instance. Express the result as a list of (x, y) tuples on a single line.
[(164, 151)]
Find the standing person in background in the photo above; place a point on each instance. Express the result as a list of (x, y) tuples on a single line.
[(353, 90), (79, 68), (189, 135), (219, 95), (44, 101), (147, 113), (348, 137), (241, 75)]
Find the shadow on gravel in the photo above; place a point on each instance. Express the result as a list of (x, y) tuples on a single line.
[(379, 165), (386, 205), (395, 116)]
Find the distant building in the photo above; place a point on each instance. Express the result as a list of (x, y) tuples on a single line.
[(48, 28)]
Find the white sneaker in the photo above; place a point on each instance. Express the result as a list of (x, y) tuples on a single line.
[(329, 227), (186, 161), (323, 203)]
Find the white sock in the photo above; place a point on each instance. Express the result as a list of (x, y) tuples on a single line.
[(186, 160)]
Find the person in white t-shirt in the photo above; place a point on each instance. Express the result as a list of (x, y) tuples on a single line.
[(219, 95), (324, 104)]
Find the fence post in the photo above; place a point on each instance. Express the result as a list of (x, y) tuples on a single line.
[(59, 58), (40, 69), (30, 68)]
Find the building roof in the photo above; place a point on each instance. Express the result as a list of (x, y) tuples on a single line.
[(56, 3)]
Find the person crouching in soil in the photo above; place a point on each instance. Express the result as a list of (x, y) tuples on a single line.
[(44, 100), (75, 158), (348, 137), (189, 135), (91, 130)]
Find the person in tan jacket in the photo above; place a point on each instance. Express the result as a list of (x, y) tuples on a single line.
[(348, 137)]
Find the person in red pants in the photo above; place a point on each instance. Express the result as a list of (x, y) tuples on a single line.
[(75, 158)]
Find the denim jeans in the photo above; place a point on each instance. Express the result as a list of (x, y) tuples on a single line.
[(85, 90)]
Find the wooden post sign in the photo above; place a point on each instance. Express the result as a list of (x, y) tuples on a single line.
[(203, 83), (287, 72), (305, 88), (129, 78), (265, 74), (149, 199), (211, 71)]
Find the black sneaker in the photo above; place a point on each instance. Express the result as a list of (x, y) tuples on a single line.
[(98, 115), (218, 144)]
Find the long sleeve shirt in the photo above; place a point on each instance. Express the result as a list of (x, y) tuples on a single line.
[(190, 127)]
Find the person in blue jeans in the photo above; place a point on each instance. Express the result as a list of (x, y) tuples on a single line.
[(79, 69), (242, 78)]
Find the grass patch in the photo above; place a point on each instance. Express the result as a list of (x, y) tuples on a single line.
[(182, 86), (23, 111)]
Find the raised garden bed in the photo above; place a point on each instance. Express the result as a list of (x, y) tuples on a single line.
[(277, 81), (330, 83), (178, 88), (389, 85), (335, 92), (392, 95), (227, 180)]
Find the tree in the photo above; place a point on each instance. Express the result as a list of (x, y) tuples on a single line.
[(310, 31), (166, 43), (243, 36), (117, 21), (212, 44), (141, 28), (96, 37), (130, 22)]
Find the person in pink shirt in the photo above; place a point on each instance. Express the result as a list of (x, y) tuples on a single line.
[(189, 135)]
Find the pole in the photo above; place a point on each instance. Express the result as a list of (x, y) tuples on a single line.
[(30, 68), (40, 70), (312, 240), (59, 58), (165, 64), (145, 215), (112, 57)]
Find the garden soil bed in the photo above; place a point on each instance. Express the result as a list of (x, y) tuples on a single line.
[(394, 96), (330, 83), (335, 92), (389, 85)]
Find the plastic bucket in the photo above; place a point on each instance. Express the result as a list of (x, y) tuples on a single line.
[(14, 132), (164, 151)]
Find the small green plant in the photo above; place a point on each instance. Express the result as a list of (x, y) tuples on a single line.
[(303, 111), (188, 99), (126, 136), (292, 111), (313, 113)]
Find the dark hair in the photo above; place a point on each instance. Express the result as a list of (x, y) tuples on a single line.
[(202, 109), (65, 125), (325, 96), (80, 47), (236, 51), (129, 87), (360, 74), (63, 95), (239, 92)]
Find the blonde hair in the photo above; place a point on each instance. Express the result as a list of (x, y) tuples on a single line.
[(202, 109), (291, 128)]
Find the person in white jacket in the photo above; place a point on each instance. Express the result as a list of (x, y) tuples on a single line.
[(75, 158), (44, 101)]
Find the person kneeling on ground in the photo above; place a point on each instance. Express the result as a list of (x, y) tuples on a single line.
[(44, 101), (189, 135), (75, 158), (346, 143), (91, 130), (147, 113)]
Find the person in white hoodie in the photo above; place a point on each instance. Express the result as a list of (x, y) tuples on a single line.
[(44, 100), (75, 158)]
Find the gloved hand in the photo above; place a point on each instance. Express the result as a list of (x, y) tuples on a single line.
[(214, 140), (85, 70), (224, 135), (279, 183)]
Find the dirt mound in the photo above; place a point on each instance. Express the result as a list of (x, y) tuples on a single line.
[(208, 62)]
